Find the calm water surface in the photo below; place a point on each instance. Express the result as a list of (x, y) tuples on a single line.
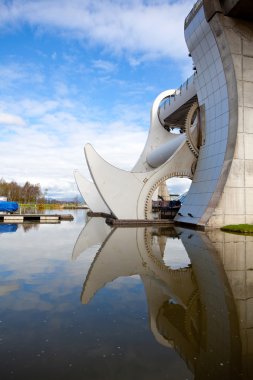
[(80, 300)]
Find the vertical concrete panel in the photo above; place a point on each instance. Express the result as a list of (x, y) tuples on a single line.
[(247, 94), (248, 120), (234, 201), (248, 68), (236, 177)]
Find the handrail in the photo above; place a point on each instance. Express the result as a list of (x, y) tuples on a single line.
[(192, 13), (167, 101)]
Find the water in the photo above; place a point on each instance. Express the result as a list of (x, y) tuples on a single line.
[(85, 301)]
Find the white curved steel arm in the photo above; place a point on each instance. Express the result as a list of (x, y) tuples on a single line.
[(90, 194), (128, 194)]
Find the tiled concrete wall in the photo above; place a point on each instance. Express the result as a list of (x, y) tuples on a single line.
[(222, 188), (212, 94), (236, 203)]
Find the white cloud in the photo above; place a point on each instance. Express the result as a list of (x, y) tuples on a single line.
[(152, 28), (35, 108), (9, 119), (47, 118), (13, 73), (48, 151), (105, 66)]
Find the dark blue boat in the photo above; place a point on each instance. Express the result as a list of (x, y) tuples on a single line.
[(8, 206)]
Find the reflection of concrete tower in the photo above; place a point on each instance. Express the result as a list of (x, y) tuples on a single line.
[(190, 309), (235, 252), (219, 353)]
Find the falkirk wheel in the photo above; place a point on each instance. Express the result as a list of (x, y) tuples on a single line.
[(213, 114)]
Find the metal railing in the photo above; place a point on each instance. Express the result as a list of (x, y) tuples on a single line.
[(171, 98)]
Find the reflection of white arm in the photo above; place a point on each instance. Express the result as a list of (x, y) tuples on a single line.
[(118, 257), (94, 233), (130, 251)]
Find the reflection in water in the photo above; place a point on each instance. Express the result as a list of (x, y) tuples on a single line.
[(156, 303), (30, 226), (12, 227), (93, 234), (192, 309), (236, 254), (8, 227)]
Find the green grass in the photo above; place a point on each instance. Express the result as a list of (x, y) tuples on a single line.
[(41, 206), (239, 228)]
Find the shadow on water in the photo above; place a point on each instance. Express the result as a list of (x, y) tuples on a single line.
[(156, 303)]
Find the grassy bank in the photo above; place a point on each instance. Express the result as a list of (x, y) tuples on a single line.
[(41, 206), (239, 228), (49, 206)]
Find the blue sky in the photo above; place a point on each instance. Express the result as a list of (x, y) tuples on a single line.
[(83, 71)]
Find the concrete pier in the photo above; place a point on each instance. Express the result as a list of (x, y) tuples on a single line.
[(34, 218), (138, 223)]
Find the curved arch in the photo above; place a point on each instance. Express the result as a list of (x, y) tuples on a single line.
[(148, 203)]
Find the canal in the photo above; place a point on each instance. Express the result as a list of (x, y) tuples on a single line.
[(82, 300)]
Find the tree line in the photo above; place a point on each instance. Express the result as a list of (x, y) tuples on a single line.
[(27, 193)]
